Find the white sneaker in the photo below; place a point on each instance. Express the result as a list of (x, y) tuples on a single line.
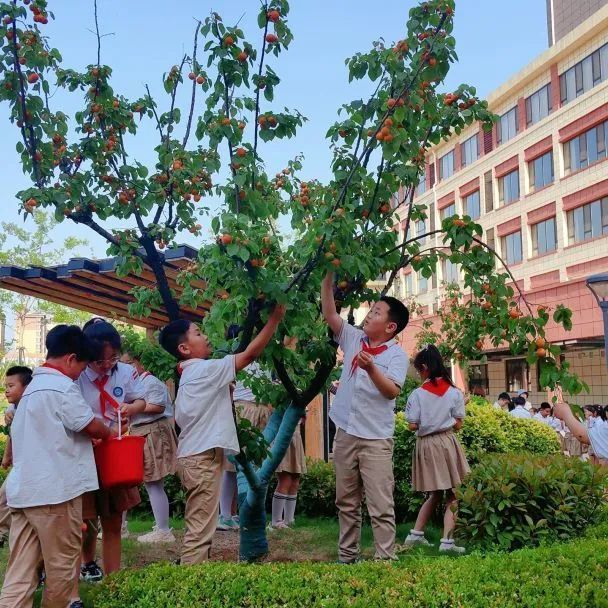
[(414, 538), (226, 524), (157, 536), (280, 525), (449, 546)]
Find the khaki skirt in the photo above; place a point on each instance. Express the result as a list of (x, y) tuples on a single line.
[(160, 448), (258, 415), (294, 460), (439, 463), (572, 445)]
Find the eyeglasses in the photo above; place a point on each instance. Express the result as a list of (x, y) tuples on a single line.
[(112, 361)]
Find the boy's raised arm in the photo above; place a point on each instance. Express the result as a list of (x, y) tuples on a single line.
[(257, 345), (328, 304)]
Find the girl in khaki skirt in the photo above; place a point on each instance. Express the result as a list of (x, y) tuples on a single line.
[(289, 472), (435, 411)]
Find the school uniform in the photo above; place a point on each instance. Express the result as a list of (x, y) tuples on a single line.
[(598, 436), (363, 445), (53, 466), (103, 394), (294, 460), (439, 462), (161, 440), (519, 411), (203, 411), (549, 421)]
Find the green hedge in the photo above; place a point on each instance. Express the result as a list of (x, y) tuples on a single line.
[(558, 576), (512, 501)]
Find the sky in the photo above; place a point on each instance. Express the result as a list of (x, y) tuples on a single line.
[(495, 39)]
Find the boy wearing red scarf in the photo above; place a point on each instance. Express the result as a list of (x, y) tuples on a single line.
[(53, 466), (363, 411)]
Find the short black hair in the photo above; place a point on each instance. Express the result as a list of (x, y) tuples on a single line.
[(519, 401), (174, 334), (68, 340), (397, 312), (99, 333), (545, 405), (505, 396), (24, 373)]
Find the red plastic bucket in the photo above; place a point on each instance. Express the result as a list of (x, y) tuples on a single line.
[(120, 462)]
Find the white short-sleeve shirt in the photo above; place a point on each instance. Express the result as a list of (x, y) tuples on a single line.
[(434, 413), (519, 411), (598, 435), (123, 385), (156, 393), (203, 407), (52, 459), (549, 421), (358, 407)]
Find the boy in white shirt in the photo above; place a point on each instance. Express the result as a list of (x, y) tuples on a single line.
[(53, 466), (544, 416), (520, 411), (203, 412), (363, 411)]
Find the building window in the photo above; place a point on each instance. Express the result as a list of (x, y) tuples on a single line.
[(588, 221), (508, 187), (538, 105), (421, 187), (450, 271), (507, 126), (478, 377), (488, 191), (469, 151), (446, 165), (421, 230), (517, 375), (541, 171), (587, 148), (423, 283), (448, 211), (472, 205), (408, 285), (544, 236), (583, 76), (511, 248)]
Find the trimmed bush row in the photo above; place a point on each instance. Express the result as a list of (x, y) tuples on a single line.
[(513, 501), (558, 576)]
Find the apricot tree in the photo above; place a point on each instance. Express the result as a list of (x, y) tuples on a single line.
[(81, 169)]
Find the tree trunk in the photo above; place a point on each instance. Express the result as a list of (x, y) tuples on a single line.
[(252, 496)]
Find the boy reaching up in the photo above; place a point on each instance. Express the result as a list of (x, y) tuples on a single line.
[(203, 411), (363, 411), (53, 466)]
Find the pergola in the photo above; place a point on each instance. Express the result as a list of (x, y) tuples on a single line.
[(95, 286)]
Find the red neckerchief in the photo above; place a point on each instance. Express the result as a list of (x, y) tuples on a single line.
[(439, 387), (179, 369), (105, 398), (366, 348), (51, 366), (144, 375)]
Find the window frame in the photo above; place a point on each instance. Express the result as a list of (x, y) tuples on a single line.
[(501, 187), (508, 248), (506, 117), (466, 204), (524, 370), (442, 159), (463, 150), (533, 171), (535, 236)]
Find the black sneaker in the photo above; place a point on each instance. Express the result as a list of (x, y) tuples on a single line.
[(91, 573), (76, 604)]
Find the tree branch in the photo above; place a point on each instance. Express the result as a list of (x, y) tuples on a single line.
[(287, 382), (193, 98), (257, 99)]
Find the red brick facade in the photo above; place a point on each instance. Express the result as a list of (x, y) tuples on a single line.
[(509, 227), (469, 187), (541, 214), (584, 124), (509, 165), (446, 201), (538, 149), (586, 195)]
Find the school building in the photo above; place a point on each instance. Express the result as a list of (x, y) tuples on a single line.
[(538, 185)]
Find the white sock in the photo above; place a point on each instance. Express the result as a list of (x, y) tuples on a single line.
[(278, 506), (159, 503), (417, 532), (227, 493), (290, 508), (124, 518)]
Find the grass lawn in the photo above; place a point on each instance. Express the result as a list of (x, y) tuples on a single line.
[(309, 540)]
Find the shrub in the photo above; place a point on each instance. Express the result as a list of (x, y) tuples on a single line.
[(317, 493), (490, 430), (512, 501), (175, 493), (557, 576)]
